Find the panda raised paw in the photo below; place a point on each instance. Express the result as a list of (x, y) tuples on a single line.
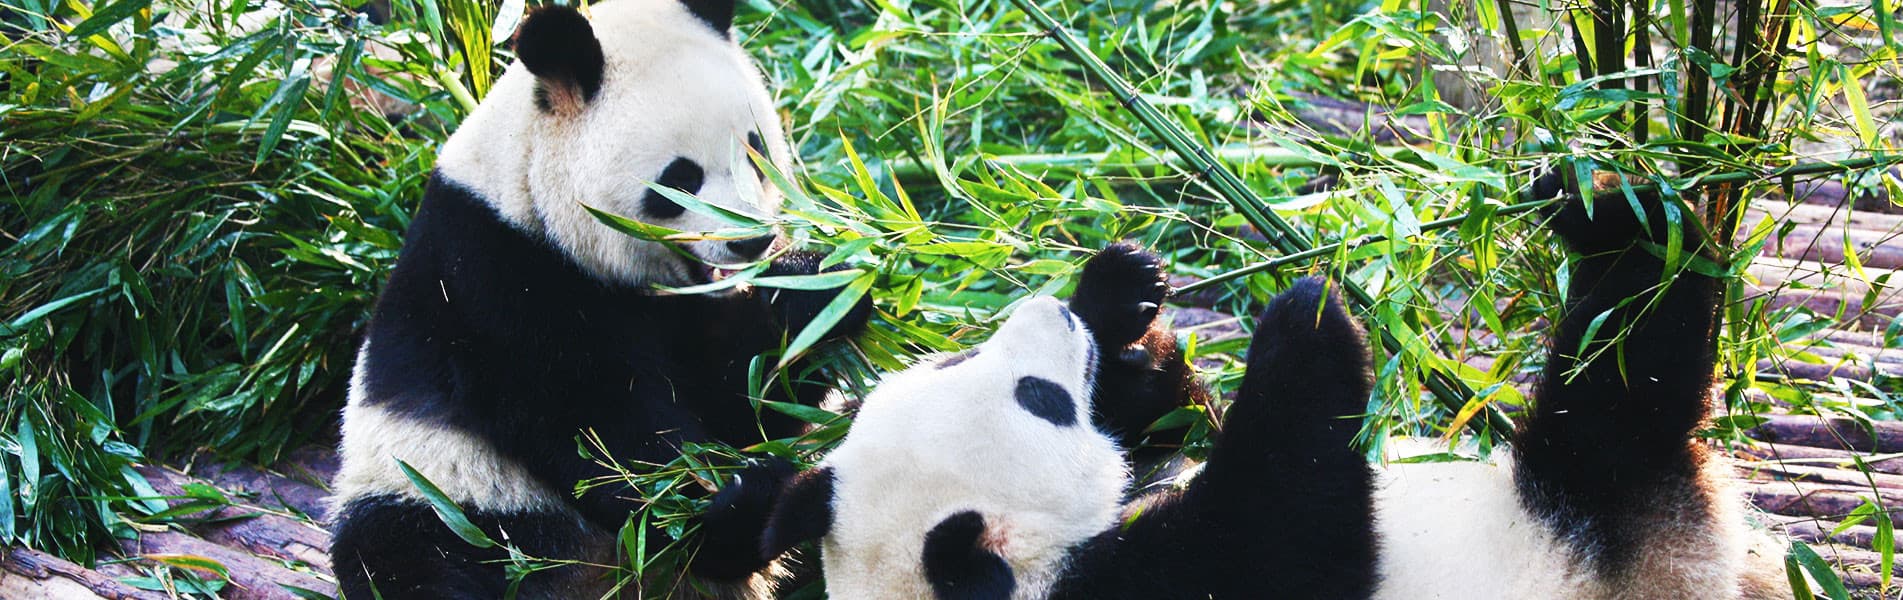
[(798, 308), (1612, 219), (730, 529), (1119, 294)]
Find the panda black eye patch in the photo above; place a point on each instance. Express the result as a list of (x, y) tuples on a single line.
[(758, 145), (682, 174), (1047, 400)]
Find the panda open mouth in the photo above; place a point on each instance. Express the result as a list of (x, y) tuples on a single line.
[(701, 271)]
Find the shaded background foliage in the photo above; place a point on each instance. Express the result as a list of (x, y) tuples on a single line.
[(200, 200)]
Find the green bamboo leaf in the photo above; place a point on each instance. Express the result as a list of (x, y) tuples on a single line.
[(22, 321), (193, 562), (829, 316), (652, 233), (1802, 555), (289, 96), (809, 414), (340, 71), (107, 17), (1859, 106), (446, 509), (818, 281), (693, 203)]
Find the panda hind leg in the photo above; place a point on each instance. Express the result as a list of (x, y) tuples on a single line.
[(1284, 472), (1282, 507), (1608, 447)]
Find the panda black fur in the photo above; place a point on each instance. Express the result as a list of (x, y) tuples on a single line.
[(514, 321), (978, 476)]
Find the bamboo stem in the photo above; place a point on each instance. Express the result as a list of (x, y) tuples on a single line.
[(1451, 391)]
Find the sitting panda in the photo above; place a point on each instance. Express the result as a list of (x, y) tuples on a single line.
[(982, 475), (515, 322)]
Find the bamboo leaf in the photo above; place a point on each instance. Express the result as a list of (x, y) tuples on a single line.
[(446, 509), (107, 17)]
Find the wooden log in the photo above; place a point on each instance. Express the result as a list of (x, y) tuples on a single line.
[(1818, 531), (1817, 500), (1814, 371), (1780, 471), (1888, 361), (252, 578), (26, 573), (1826, 290), (1826, 457), (1831, 432), (251, 528), (1831, 192), (1826, 244), (274, 490), (1780, 211)]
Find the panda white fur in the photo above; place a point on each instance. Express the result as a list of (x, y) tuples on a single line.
[(514, 321), (1606, 495), (981, 476)]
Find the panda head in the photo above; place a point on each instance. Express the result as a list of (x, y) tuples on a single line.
[(977, 469), (600, 105)]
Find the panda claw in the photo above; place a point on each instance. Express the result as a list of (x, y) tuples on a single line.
[(1135, 354), (1146, 307)]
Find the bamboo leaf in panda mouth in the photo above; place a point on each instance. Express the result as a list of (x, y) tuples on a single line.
[(694, 204), (652, 233), (723, 283), (446, 509), (817, 281)]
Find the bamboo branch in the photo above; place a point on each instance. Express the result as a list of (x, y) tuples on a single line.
[(1451, 391)]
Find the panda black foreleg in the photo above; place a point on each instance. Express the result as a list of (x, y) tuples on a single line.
[(1141, 374), (1283, 507), (1609, 442), (798, 308), (397, 548)]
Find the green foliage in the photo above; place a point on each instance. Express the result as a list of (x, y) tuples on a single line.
[(201, 205)]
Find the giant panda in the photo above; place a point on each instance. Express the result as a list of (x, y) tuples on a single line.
[(982, 475), (514, 322)]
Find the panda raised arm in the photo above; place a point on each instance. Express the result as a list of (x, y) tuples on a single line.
[(515, 322), (981, 475)]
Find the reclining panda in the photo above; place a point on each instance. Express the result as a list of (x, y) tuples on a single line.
[(514, 321), (973, 477)]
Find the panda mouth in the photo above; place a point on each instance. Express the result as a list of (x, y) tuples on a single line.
[(701, 272)]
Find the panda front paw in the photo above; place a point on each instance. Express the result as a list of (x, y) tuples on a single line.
[(731, 528), (1612, 219), (799, 308), (1119, 294)]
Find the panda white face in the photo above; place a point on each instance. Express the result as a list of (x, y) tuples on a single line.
[(641, 91), (1002, 431)]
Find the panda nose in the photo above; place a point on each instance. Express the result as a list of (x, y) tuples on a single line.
[(751, 247)]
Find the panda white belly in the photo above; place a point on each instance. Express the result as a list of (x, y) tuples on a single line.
[(1459, 530)]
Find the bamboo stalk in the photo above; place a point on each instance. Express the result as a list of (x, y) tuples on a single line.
[(1451, 391), (1115, 163)]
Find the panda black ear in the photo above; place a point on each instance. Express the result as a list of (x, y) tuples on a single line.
[(716, 13), (558, 45), (804, 512)]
